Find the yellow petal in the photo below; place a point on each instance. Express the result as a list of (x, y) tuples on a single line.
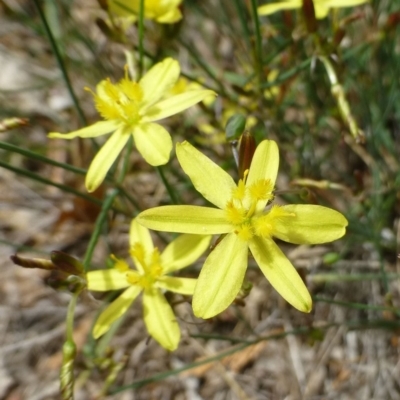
[(139, 234), (265, 163), (177, 285), (108, 279), (321, 11), (221, 277), (344, 3), (183, 251), (95, 130), (186, 219), (115, 310), (282, 5), (158, 81), (105, 158), (208, 178), (310, 224), (121, 7), (280, 273), (160, 320), (176, 104), (170, 17), (153, 142)]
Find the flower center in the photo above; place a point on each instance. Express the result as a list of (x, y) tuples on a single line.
[(120, 101), (245, 210), (151, 267)]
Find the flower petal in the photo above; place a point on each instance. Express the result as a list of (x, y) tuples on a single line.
[(108, 279), (170, 17), (281, 273), (158, 81), (97, 129), (183, 251), (176, 104), (321, 11), (105, 158), (186, 219), (115, 310), (282, 5), (160, 320), (310, 224), (139, 234), (344, 3), (153, 142), (265, 163), (221, 277), (208, 178), (177, 285)]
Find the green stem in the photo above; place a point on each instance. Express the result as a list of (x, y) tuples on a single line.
[(70, 316), (107, 204), (200, 61), (79, 171), (38, 178), (341, 100), (170, 190), (31, 155), (60, 62), (242, 14), (125, 161), (67, 379), (141, 38), (258, 59)]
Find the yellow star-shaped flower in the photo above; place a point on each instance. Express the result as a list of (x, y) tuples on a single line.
[(245, 221), (152, 278), (130, 109), (162, 11), (321, 7)]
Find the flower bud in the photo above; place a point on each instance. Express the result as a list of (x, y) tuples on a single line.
[(309, 15), (25, 262), (247, 148)]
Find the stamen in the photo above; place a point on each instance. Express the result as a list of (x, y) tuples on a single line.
[(119, 264), (133, 278), (235, 215), (261, 190), (239, 192), (137, 252), (245, 232)]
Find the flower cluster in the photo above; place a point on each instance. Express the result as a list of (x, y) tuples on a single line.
[(243, 216)]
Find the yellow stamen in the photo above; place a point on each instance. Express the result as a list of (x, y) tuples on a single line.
[(261, 190), (120, 265)]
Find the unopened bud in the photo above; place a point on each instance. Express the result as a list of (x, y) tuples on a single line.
[(25, 262), (309, 15), (66, 263), (103, 4), (247, 148), (11, 123)]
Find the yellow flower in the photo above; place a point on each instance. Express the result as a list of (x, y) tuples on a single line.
[(162, 11), (321, 7), (130, 109), (242, 217), (151, 278)]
